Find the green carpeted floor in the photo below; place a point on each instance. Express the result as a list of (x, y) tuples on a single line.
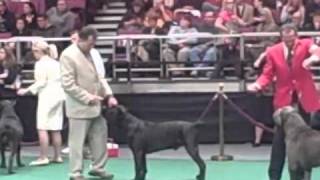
[(158, 170)]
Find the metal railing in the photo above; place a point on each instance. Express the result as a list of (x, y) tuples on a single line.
[(162, 69)]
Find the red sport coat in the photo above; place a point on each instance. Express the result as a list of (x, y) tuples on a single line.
[(287, 80)]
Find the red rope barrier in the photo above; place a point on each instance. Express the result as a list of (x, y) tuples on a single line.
[(247, 116), (205, 112)]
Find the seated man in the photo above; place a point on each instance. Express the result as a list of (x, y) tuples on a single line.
[(148, 49), (206, 50), (62, 18), (179, 48), (44, 28)]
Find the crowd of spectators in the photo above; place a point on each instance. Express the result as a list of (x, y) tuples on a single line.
[(42, 18), (167, 17)]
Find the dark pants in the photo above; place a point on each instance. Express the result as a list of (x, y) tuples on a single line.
[(278, 151), (228, 58)]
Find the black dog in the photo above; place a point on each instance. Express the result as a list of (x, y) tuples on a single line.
[(11, 133), (146, 137)]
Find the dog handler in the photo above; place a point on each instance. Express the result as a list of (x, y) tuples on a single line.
[(50, 100), (288, 62), (85, 89)]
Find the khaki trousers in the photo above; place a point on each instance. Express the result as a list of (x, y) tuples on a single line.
[(95, 130)]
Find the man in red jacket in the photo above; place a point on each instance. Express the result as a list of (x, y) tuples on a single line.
[(288, 64)]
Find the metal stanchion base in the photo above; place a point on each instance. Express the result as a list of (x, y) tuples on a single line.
[(222, 158)]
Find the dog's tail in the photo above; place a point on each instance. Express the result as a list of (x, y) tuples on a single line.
[(199, 123)]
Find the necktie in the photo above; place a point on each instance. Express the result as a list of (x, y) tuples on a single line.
[(289, 57)]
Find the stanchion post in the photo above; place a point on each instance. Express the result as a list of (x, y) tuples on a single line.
[(129, 59), (18, 51), (222, 156)]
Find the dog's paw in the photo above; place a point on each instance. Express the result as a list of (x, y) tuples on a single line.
[(11, 172), (21, 165)]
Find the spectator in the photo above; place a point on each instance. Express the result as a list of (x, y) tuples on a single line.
[(228, 21), (292, 7), (148, 4), (9, 73), (22, 30), (179, 48), (164, 14), (211, 5), (206, 50), (266, 23), (196, 4), (167, 3), (44, 28), (61, 18), (7, 18), (30, 15), (149, 49), (132, 22), (312, 7), (315, 26), (244, 11), (179, 12), (50, 4), (297, 20)]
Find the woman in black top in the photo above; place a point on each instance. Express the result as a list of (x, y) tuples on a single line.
[(30, 15), (9, 72)]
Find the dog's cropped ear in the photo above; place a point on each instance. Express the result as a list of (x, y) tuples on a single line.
[(4, 103), (116, 111), (280, 116), (122, 109), (13, 102)]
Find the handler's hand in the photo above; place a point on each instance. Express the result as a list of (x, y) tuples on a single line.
[(112, 102), (22, 92), (307, 63), (94, 99), (254, 87)]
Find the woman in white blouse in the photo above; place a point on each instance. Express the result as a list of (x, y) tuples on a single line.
[(50, 100)]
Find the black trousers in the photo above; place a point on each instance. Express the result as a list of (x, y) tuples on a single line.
[(227, 58), (278, 151)]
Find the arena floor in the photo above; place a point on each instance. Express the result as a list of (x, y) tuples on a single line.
[(249, 164)]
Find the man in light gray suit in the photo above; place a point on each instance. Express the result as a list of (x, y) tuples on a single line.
[(85, 89)]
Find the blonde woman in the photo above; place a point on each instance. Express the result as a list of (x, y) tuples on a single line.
[(50, 100)]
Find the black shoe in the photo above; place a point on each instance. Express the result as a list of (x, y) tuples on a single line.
[(101, 174), (77, 178), (256, 144)]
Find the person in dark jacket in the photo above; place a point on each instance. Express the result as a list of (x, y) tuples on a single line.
[(45, 29), (7, 18)]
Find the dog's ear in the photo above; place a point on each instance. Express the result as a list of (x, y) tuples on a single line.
[(13, 103), (280, 116), (5, 103), (122, 109), (277, 117)]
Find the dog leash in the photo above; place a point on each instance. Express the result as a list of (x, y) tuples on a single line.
[(247, 116)]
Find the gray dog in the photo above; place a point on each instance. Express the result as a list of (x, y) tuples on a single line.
[(11, 133), (302, 143)]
